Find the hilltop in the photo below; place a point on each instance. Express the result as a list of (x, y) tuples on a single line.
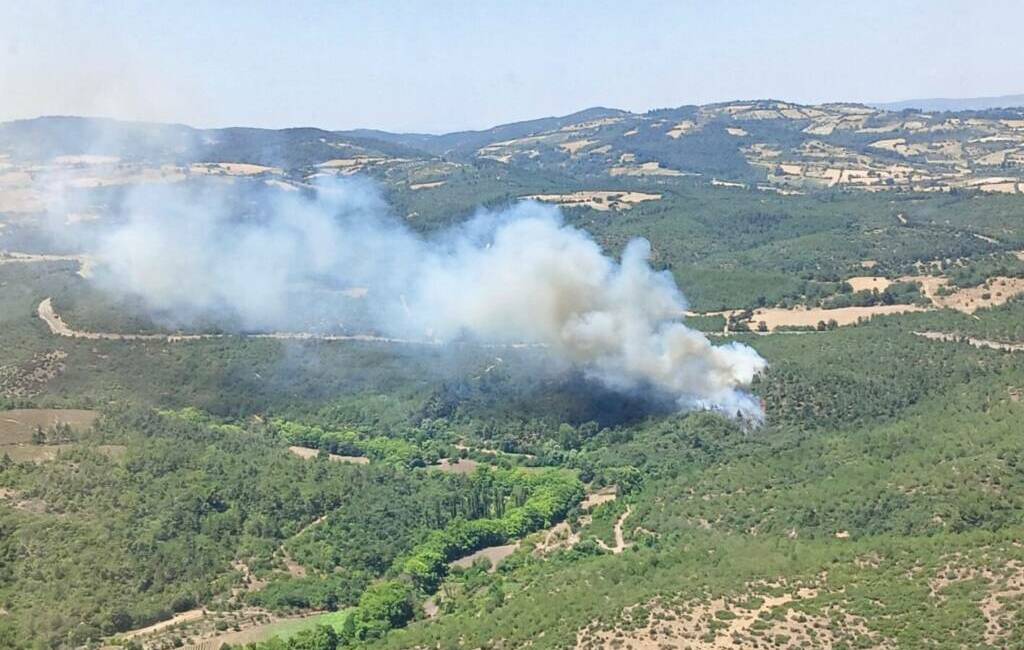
[(190, 485), (772, 145)]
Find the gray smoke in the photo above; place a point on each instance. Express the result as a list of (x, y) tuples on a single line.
[(335, 258)]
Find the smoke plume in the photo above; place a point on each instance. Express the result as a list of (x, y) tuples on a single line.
[(334, 260)]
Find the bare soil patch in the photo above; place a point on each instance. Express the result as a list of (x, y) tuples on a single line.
[(177, 619), (461, 466), (594, 499), (426, 186), (620, 542), (978, 343), (496, 554), (776, 317), (572, 147), (868, 282), (559, 537), (602, 200), (306, 452), (680, 129), (993, 292), (646, 169), (232, 169), (18, 425)]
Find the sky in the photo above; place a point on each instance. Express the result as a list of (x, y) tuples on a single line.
[(436, 65)]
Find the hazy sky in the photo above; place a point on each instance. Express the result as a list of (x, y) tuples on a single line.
[(438, 66)]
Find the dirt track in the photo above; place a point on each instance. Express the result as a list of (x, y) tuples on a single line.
[(978, 343), (58, 327), (620, 540)]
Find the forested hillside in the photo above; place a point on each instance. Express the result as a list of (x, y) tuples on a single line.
[(203, 485)]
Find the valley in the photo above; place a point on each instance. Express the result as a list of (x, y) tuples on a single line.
[(201, 483)]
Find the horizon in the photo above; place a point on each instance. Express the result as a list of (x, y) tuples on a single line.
[(408, 68), (881, 105)]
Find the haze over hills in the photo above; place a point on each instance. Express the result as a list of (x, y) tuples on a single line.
[(772, 145), (314, 390), (954, 104)]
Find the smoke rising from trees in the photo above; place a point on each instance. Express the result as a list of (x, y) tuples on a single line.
[(303, 260)]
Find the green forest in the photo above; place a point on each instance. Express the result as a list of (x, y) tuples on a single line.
[(307, 494)]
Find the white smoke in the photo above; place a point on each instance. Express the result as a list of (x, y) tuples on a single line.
[(517, 276)]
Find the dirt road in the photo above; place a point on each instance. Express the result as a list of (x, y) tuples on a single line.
[(978, 343)]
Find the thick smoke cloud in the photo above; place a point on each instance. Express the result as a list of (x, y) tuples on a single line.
[(516, 276)]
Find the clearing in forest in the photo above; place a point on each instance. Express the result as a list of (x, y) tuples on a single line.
[(602, 200), (306, 452), (494, 554), (18, 425), (868, 282), (991, 293), (776, 317), (461, 466)]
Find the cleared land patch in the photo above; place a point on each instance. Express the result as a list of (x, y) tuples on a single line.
[(461, 466), (868, 282), (597, 200), (494, 554), (993, 292), (426, 186), (776, 317), (18, 425), (306, 452)]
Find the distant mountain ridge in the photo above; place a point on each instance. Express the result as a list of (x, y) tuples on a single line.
[(767, 144), (953, 104)]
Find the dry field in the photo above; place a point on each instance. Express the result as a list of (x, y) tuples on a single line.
[(462, 466), (869, 282), (993, 292), (598, 200), (572, 147), (645, 169), (232, 169), (775, 317), (496, 554), (306, 452), (18, 425)]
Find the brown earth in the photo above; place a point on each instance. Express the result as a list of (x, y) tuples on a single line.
[(461, 466), (993, 292), (729, 623), (604, 495), (496, 554), (18, 425), (620, 541), (868, 282), (978, 343), (602, 201), (775, 317), (306, 452)]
